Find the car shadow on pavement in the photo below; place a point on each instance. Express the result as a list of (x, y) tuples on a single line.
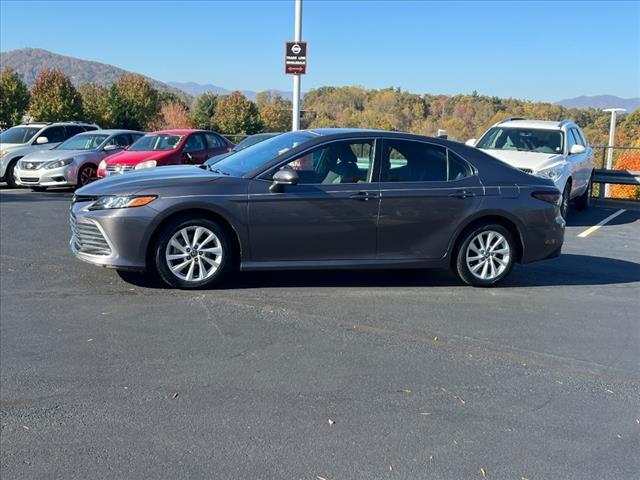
[(588, 218), (566, 270)]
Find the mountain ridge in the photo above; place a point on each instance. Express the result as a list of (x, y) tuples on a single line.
[(601, 102)]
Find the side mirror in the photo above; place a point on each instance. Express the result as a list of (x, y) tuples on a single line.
[(42, 140), (471, 142), (283, 177), (577, 149), (111, 148)]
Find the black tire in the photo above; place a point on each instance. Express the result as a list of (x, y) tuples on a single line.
[(566, 199), (38, 189), (227, 262), (87, 174), (9, 174), (583, 202), (462, 268)]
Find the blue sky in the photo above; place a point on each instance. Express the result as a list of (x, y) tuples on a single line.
[(530, 50)]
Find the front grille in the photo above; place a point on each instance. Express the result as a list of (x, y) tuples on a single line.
[(87, 238), (30, 179), (527, 170), (117, 169)]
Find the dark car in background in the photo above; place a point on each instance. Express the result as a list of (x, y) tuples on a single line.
[(247, 142), (322, 198), (166, 147)]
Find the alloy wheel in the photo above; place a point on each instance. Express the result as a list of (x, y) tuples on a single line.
[(488, 255), (87, 175), (193, 253)]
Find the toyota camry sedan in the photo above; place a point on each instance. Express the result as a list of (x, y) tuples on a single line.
[(318, 199)]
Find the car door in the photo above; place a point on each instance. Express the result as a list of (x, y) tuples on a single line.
[(331, 214), (575, 161), (195, 149), (583, 160), (426, 191)]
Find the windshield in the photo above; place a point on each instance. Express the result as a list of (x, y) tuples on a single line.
[(18, 134), (83, 142), (150, 143), (251, 158), (522, 140)]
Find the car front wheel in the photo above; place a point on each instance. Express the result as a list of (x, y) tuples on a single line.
[(486, 255), (583, 202), (566, 198), (193, 253)]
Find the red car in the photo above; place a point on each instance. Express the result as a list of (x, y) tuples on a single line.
[(166, 147)]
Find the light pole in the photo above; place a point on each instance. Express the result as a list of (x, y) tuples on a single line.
[(612, 136), (295, 124)]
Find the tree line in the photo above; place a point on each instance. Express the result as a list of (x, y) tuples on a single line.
[(131, 102)]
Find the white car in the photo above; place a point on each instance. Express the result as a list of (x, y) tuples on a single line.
[(73, 162), (549, 149), (18, 141)]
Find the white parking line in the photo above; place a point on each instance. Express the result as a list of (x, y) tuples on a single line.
[(597, 226)]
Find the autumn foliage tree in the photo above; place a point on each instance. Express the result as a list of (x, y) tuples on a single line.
[(274, 111), (235, 114), (172, 115), (14, 98), (96, 105), (54, 98), (134, 102)]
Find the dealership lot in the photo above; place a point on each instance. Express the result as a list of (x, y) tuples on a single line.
[(422, 377)]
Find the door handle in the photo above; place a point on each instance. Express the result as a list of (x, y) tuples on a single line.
[(363, 196), (462, 193)]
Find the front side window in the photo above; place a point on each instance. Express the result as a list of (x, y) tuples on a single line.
[(408, 161), (18, 134), (83, 142), (522, 139), (150, 143), (571, 140), (577, 137), (118, 140), (338, 162)]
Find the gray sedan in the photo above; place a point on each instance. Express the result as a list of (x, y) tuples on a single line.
[(322, 199), (73, 162)]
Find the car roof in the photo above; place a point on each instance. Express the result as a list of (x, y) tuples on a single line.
[(540, 124), (110, 131), (178, 131)]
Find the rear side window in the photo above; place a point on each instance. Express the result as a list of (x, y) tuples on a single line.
[(54, 134), (88, 128), (213, 141), (408, 161), (73, 130)]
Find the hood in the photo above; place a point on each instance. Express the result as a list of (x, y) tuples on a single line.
[(531, 160), (48, 155), (7, 147), (148, 179), (128, 157)]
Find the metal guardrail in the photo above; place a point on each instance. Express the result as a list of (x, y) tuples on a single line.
[(615, 177)]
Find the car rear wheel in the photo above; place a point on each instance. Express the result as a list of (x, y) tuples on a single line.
[(486, 255), (87, 174), (583, 202), (193, 253)]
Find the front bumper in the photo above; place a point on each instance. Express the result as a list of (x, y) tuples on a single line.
[(42, 177), (115, 238)]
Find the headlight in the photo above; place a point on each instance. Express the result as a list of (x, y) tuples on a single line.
[(121, 201), (147, 164), (3, 153), (103, 165), (553, 172), (58, 163)]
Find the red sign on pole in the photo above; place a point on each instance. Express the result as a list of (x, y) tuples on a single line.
[(295, 58)]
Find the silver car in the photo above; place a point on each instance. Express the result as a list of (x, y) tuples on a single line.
[(74, 162)]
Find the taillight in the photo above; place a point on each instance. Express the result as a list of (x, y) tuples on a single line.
[(550, 196)]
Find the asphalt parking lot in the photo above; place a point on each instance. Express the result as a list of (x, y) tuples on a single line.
[(312, 375)]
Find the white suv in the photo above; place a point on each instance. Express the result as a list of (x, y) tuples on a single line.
[(555, 150), (20, 140)]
